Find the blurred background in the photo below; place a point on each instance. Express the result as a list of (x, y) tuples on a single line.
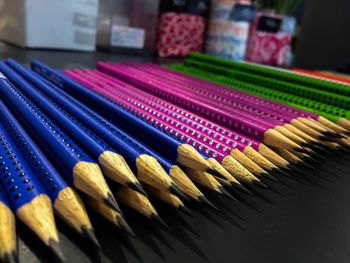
[(307, 34)]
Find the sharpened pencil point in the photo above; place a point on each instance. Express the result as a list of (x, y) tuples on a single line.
[(216, 173), (295, 169), (305, 163), (112, 203), (55, 248), (89, 235), (158, 219), (270, 177), (202, 199), (260, 184), (280, 171), (227, 194), (243, 189), (125, 226), (137, 187), (344, 150), (334, 135), (176, 191), (185, 210), (10, 257), (301, 150)]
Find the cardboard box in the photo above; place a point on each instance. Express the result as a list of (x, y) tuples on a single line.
[(54, 24)]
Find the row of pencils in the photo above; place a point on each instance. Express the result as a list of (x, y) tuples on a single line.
[(132, 132)]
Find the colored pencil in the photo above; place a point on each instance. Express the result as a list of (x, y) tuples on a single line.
[(69, 158), (111, 133), (175, 151), (110, 214), (147, 168), (138, 202), (274, 158), (171, 125), (28, 198), (275, 112), (197, 141), (112, 163), (335, 114), (209, 128), (168, 198), (246, 126), (66, 202), (282, 80), (288, 98), (8, 239)]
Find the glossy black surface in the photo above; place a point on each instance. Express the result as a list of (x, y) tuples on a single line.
[(305, 219)]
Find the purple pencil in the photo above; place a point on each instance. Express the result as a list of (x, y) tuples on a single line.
[(237, 146), (245, 105), (268, 106), (220, 143), (212, 148), (251, 128)]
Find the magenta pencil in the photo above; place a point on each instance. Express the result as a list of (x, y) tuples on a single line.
[(233, 121), (205, 140), (202, 143), (222, 135), (246, 109), (277, 110)]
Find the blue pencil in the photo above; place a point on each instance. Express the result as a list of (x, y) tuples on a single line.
[(70, 159), (28, 198), (174, 150), (65, 200), (8, 241), (112, 163), (146, 167), (111, 133)]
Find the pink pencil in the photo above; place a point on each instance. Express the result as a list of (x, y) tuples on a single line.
[(182, 132), (236, 122), (266, 105), (223, 137)]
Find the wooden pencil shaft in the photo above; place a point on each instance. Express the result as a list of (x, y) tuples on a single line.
[(135, 201), (8, 243)]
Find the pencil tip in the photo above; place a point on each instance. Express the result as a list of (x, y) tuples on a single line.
[(55, 248), (176, 191), (270, 177), (333, 135), (296, 169), (125, 226), (10, 257), (226, 193), (185, 210), (202, 199), (243, 189), (137, 187), (112, 203), (280, 171), (89, 235), (216, 173), (158, 219), (301, 150), (260, 184)]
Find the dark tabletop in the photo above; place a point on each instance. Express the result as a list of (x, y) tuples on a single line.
[(304, 219)]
